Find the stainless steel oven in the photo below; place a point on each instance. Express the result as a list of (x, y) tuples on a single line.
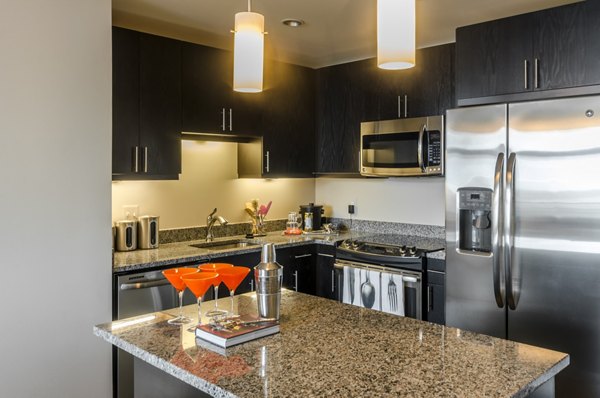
[(402, 147)]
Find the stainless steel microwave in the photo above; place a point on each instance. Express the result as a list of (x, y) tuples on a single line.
[(402, 147)]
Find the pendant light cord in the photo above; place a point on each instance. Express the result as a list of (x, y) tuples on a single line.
[(249, 5)]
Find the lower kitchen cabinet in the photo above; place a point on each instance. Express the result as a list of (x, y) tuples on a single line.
[(249, 260), (327, 285), (298, 268), (435, 299)]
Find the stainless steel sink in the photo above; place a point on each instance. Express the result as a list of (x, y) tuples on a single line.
[(225, 244)]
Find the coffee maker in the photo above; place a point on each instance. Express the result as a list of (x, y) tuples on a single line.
[(474, 219)]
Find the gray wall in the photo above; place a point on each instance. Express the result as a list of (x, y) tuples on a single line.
[(55, 236)]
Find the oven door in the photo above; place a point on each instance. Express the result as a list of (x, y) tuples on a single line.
[(392, 290)]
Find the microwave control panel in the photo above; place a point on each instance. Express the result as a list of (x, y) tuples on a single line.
[(434, 149)]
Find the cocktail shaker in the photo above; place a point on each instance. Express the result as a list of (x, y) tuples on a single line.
[(268, 275)]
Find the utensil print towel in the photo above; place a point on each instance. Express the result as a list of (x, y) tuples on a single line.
[(351, 289), (392, 294), (370, 288)]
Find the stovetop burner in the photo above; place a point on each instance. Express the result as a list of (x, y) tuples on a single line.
[(381, 249)]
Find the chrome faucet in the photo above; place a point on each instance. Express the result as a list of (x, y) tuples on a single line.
[(210, 222)]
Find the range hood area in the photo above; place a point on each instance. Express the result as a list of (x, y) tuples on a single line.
[(249, 152)]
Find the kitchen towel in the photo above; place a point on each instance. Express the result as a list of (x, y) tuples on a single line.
[(351, 286), (392, 294), (370, 287)]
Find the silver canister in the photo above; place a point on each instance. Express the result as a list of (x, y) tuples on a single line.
[(148, 232), (126, 235), (268, 275)]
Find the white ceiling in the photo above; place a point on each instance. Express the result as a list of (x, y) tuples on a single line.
[(336, 31)]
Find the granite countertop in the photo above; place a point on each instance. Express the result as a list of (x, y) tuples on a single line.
[(326, 348), (183, 252)]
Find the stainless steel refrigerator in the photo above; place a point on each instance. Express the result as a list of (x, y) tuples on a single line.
[(523, 229)]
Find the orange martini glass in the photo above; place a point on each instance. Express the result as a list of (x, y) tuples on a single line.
[(199, 283), (215, 267), (232, 277), (174, 276)]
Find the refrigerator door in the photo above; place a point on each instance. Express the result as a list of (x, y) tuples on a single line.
[(475, 147), (553, 275)]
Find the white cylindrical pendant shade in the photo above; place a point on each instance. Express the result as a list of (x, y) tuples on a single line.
[(248, 52), (395, 34)]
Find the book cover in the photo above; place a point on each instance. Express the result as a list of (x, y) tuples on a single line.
[(231, 331)]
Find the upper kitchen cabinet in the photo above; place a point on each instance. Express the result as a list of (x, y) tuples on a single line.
[(146, 106), (209, 103), (525, 55), (288, 120), (356, 92)]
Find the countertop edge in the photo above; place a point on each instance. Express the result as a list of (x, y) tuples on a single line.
[(161, 364), (549, 374)]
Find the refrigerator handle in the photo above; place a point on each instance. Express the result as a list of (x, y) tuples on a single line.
[(497, 227), (509, 233)]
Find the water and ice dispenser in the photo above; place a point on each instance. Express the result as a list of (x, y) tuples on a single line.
[(474, 219)]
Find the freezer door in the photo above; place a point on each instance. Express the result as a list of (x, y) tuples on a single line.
[(475, 146), (555, 254)]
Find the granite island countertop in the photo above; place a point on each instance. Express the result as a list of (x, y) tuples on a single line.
[(183, 252), (326, 348)]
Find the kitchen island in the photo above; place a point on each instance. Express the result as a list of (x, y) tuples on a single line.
[(326, 348)]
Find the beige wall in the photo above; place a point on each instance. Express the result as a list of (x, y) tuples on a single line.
[(407, 200), (209, 180), (55, 156)]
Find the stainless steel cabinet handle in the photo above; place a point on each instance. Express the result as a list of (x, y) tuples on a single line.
[(325, 255), (230, 119), (497, 227), (405, 105), (296, 280), (509, 234), (526, 73), (429, 298), (144, 285), (145, 159), (268, 168), (399, 106), (536, 71), (137, 159), (303, 255), (223, 122), (332, 281), (420, 149)]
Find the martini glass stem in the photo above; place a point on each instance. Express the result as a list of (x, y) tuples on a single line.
[(180, 294), (200, 310), (216, 297), (231, 292)]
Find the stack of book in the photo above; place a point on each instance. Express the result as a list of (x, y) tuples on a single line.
[(228, 332)]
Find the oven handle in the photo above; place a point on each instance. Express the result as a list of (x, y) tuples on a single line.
[(407, 276), (420, 149), (144, 285)]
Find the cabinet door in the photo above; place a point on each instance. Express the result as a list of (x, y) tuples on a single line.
[(491, 56), (325, 274), (207, 75), (249, 260), (160, 105), (288, 124), (562, 46), (435, 298), (126, 99), (433, 91), (303, 259), (340, 110)]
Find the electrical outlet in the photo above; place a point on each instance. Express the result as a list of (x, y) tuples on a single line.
[(351, 208), (131, 211)]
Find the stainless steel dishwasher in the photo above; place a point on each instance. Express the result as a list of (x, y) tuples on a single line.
[(138, 294)]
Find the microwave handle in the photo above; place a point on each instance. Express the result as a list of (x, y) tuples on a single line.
[(420, 149)]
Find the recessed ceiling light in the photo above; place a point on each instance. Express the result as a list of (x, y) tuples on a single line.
[(293, 23)]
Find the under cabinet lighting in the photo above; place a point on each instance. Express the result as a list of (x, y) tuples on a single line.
[(396, 34), (248, 51)]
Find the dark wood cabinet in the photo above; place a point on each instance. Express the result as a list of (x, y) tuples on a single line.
[(249, 260), (352, 93), (327, 284), (435, 297), (298, 268), (529, 54), (288, 120), (146, 106)]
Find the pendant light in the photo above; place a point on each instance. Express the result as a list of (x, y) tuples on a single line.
[(395, 34), (248, 51)]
